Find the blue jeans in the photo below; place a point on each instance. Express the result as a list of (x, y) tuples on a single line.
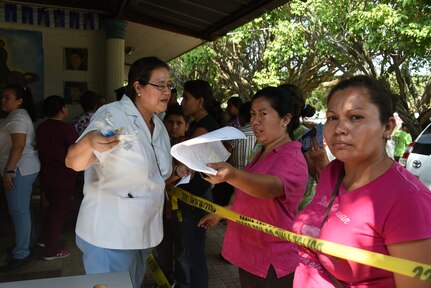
[(103, 260), (19, 201)]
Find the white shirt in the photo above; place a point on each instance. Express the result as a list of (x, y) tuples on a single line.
[(18, 121), (108, 217)]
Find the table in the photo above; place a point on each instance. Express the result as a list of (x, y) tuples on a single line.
[(111, 280)]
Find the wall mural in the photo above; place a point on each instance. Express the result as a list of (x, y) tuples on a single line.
[(21, 60)]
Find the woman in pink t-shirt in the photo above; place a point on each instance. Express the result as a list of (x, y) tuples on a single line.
[(364, 199), (268, 189)]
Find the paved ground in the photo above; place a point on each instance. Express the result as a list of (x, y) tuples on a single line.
[(221, 274)]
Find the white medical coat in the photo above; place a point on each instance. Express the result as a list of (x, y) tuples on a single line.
[(108, 217)]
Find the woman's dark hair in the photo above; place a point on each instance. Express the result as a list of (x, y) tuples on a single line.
[(293, 90), (53, 105), (244, 112), (284, 103), (218, 113), (235, 101), (377, 91), (25, 94), (200, 89), (141, 71), (88, 101)]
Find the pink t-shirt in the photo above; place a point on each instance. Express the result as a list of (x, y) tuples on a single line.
[(391, 209), (255, 251)]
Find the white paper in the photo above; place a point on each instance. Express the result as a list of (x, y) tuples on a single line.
[(196, 153), (184, 180)]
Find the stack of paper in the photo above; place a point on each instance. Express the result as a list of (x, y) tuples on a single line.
[(196, 153)]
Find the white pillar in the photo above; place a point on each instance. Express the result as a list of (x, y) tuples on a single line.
[(115, 32)]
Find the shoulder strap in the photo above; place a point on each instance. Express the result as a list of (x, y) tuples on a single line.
[(334, 194)]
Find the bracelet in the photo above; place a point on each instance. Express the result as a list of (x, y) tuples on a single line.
[(9, 172)]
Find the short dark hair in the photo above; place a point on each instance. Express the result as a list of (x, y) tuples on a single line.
[(52, 105), (176, 110), (88, 100), (235, 101), (244, 111), (141, 71), (377, 91)]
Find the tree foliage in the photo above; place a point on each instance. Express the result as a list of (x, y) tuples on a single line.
[(311, 43)]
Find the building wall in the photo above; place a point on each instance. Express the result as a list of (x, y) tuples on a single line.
[(54, 41)]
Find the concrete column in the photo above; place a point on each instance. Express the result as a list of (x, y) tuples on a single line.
[(115, 32)]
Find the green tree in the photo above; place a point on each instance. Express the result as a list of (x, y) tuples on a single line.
[(312, 43), (386, 39)]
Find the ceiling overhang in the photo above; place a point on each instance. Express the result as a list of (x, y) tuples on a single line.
[(169, 28)]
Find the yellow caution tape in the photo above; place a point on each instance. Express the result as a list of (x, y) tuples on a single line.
[(174, 203), (157, 273), (385, 262)]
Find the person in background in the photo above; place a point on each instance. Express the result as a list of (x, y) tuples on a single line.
[(216, 112), (197, 101), (101, 100), (88, 102), (243, 147), (120, 218), (170, 253), (223, 191), (120, 92), (233, 105), (173, 101), (307, 110), (364, 199), (53, 138), (19, 167), (402, 139), (269, 189)]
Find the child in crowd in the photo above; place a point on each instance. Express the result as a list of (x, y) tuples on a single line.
[(170, 252)]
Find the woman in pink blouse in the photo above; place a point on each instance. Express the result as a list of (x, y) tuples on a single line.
[(268, 189)]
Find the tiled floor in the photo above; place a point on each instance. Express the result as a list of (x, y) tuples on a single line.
[(221, 274)]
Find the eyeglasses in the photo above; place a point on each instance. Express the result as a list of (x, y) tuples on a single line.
[(160, 86)]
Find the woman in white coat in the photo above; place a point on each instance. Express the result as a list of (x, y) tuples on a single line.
[(120, 218)]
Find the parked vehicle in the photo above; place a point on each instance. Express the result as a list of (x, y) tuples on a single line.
[(417, 157)]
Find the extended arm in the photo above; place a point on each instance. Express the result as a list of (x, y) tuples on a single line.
[(80, 155), (257, 185)]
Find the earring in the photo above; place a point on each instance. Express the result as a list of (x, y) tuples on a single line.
[(139, 94)]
